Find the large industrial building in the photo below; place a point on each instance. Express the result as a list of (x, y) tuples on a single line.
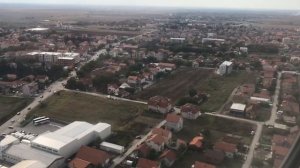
[(49, 150), (67, 140)]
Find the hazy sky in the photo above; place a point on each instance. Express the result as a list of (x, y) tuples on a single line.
[(260, 4)]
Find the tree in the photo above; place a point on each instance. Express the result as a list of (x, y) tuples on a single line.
[(71, 83), (101, 82), (192, 92)]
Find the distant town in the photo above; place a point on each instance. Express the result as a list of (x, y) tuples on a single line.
[(185, 89)]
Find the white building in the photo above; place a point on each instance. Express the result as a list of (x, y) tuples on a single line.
[(110, 147), (225, 68), (67, 140), (29, 164), (244, 49), (6, 142), (53, 57), (19, 152)]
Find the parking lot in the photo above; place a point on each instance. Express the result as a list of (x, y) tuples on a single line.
[(30, 128)]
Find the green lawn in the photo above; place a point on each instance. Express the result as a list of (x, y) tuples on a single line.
[(10, 106), (126, 118), (218, 127), (220, 88)]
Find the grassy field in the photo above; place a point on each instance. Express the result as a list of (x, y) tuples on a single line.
[(126, 118), (10, 106), (178, 84), (217, 126)]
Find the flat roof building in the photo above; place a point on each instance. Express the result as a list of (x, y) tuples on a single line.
[(67, 140), (20, 152)]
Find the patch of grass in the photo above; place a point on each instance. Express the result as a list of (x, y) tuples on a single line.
[(220, 88), (217, 127), (125, 117), (10, 106)]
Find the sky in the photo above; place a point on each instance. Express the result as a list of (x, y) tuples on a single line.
[(236, 4)]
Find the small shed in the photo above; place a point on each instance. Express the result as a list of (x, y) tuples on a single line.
[(238, 109), (110, 147)]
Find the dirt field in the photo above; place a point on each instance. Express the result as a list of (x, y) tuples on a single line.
[(177, 84)]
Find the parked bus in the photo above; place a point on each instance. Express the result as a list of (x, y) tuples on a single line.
[(38, 118), (41, 121)]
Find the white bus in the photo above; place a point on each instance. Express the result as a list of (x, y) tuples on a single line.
[(41, 121), (38, 118)]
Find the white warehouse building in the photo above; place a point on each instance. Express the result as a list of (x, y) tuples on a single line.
[(67, 140)]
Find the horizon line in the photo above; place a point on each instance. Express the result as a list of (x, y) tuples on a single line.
[(151, 6)]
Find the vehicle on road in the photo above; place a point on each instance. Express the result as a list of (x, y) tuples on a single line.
[(41, 121), (12, 121), (29, 108), (11, 127), (18, 113), (41, 96)]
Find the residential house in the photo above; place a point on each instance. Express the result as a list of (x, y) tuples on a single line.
[(142, 150), (214, 156), (196, 143), (225, 68), (11, 77), (146, 163), (166, 66), (202, 165), (158, 139), (133, 80), (79, 163), (168, 157), (228, 148), (174, 122), (190, 111), (94, 156), (159, 104)]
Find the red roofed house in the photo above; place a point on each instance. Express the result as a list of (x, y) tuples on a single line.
[(145, 163), (190, 111), (79, 163), (142, 150), (159, 104), (94, 156), (228, 148), (202, 165), (174, 122), (159, 139), (196, 143), (168, 157)]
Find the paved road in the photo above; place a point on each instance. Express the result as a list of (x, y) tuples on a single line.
[(273, 117), (108, 96), (271, 121), (19, 118), (120, 158)]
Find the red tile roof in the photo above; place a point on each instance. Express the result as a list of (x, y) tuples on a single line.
[(145, 163), (157, 139), (143, 149), (196, 142), (168, 154), (189, 108), (79, 163), (173, 118), (95, 156), (159, 101), (203, 165), (162, 132)]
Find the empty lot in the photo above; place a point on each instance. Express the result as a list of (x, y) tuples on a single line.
[(180, 82)]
